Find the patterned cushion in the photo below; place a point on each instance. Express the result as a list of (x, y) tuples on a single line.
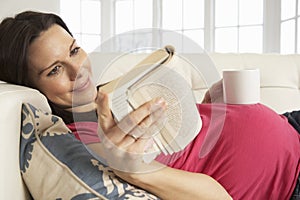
[(54, 165)]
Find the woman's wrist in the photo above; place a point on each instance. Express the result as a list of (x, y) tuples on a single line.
[(144, 176)]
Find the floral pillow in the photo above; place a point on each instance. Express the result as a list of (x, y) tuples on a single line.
[(55, 165)]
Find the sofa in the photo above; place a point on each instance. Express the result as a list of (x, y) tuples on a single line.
[(279, 78)]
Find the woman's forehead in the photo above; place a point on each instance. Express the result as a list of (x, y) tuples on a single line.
[(50, 46)]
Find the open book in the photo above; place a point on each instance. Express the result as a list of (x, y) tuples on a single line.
[(154, 77)]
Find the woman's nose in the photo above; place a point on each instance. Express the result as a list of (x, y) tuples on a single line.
[(75, 70)]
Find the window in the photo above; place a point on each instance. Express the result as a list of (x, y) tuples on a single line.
[(136, 17), (216, 25), (289, 37), (185, 17), (239, 26), (83, 17), (132, 15), (173, 15)]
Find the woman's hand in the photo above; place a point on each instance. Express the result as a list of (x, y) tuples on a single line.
[(214, 93), (124, 144), (124, 153)]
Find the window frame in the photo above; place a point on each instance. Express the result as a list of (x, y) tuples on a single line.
[(271, 23), (296, 20), (79, 35)]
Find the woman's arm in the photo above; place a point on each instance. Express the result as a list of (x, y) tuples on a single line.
[(123, 154), (169, 183)]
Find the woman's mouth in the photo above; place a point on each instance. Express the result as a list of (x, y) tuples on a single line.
[(79, 87)]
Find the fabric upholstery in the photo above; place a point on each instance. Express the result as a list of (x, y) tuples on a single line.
[(55, 165)]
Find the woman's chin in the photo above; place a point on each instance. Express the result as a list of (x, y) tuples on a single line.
[(86, 96), (86, 101)]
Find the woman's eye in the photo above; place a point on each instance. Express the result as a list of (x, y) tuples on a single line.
[(54, 71), (74, 51)]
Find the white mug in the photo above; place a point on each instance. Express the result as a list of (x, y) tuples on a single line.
[(241, 86)]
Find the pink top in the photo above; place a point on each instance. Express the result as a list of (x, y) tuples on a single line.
[(251, 150), (255, 156), (86, 132)]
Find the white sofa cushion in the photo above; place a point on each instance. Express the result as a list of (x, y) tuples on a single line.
[(11, 99), (279, 76)]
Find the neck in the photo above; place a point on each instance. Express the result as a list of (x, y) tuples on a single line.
[(82, 108)]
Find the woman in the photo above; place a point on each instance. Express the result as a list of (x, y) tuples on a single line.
[(46, 49), (247, 164)]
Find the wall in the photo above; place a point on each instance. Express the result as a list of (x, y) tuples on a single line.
[(11, 7)]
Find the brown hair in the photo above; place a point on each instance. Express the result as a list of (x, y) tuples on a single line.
[(16, 35)]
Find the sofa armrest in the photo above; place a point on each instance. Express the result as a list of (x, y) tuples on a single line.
[(11, 99)]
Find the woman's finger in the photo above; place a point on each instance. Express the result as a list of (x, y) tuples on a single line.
[(105, 117), (125, 135), (134, 125), (150, 126), (140, 146), (128, 123)]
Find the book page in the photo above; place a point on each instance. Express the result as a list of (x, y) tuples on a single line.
[(183, 120)]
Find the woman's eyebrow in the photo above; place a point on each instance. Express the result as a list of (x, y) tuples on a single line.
[(70, 48), (74, 40)]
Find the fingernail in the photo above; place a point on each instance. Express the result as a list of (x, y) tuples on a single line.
[(99, 96), (148, 145), (160, 101)]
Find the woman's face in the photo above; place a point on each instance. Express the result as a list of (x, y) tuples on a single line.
[(60, 69)]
